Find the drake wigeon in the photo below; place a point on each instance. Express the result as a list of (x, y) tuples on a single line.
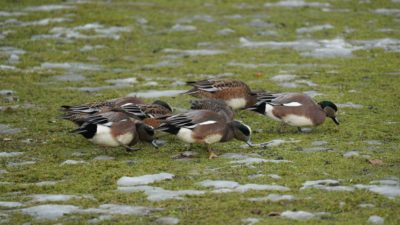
[(217, 105), (126, 132), (295, 109), (205, 127), (78, 114), (235, 93)]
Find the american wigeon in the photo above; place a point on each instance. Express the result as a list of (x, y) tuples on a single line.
[(295, 109), (205, 127), (234, 92), (126, 132), (78, 114), (217, 105)]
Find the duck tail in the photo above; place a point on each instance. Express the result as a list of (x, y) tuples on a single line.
[(88, 130)]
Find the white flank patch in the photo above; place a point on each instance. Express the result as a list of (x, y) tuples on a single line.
[(146, 179), (268, 112), (203, 123), (185, 135), (297, 121), (236, 103), (103, 137), (125, 138), (208, 122), (212, 138), (292, 104)]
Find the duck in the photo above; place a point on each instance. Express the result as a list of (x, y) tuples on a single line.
[(79, 113), (216, 105), (111, 132), (206, 127), (150, 114), (235, 93), (135, 107), (295, 109)]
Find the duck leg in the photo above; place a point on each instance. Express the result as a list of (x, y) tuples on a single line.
[(211, 152), (281, 128), (127, 148)]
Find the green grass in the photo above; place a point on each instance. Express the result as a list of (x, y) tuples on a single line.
[(369, 78)]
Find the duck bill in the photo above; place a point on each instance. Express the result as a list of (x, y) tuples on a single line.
[(154, 143), (335, 119), (250, 143)]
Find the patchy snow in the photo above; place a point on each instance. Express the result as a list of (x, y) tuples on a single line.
[(11, 204), (385, 11), (87, 48), (10, 154), (123, 81), (219, 184), (273, 198), (366, 205), (249, 161), (202, 18), (9, 14), (71, 66), (115, 209), (301, 215), (296, 4), (327, 185), (376, 219), (316, 149), (159, 194), (22, 163), (55, 197), (179, 27), (225, 31), (314, 28), (72, 162), (351, 154), (194, 52), (227, 186), (165, 63), (314, 48), (49, 212), (146, 179), (156, 93), (103, 158), (277, 142), (349, 105), (250, 221), (274, 176), (45, 22), (70, 33), (48, 8), (167, 220), (46, 183), (388, 187), (54, 211)]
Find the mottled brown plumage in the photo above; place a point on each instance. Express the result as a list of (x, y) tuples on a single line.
[(78, 114), (216, 105), (235, 93)]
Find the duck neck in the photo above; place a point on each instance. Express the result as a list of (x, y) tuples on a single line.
[(229, 134)]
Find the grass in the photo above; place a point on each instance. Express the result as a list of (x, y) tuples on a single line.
[(369, 78)]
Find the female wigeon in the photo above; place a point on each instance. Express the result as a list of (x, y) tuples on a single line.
[(215, 105), (234, 92)]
